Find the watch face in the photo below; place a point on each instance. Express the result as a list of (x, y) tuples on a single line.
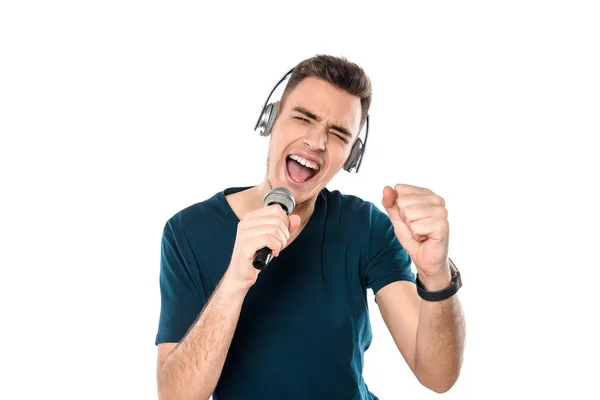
[(453, 267), (455, 273)]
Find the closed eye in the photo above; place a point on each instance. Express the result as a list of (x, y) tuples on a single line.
[(342, 138)]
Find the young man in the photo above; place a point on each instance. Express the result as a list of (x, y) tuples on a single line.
[(299, 328)]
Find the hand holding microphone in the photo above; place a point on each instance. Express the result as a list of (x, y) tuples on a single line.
[(261, 235), (282, 197)]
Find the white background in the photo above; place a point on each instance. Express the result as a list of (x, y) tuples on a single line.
[(114, 115)]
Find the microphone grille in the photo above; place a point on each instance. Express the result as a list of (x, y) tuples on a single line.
[(281, 196)]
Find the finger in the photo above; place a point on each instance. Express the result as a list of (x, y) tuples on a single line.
[(273, 210), (432, 228), (272, 239), (421, 211), (388, 201), (260, 226), (389, 197), (282, 226), (294, 222), (277, 210), (400, 228), (282, 236), (269, 229), (402, 189), (275, 244), (270, 220), (283, 217), (411, 199)]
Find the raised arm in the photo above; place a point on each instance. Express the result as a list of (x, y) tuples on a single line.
[(430, 332)]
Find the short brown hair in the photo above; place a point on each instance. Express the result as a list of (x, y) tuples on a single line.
[(339, 72)]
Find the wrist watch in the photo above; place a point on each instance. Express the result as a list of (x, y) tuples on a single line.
[(443, 294)]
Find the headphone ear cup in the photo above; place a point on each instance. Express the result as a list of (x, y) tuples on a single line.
[(354, 157), (267, 119)]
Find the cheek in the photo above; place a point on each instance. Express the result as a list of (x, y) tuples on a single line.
[(276, 149), (339, 153), (282, 138)]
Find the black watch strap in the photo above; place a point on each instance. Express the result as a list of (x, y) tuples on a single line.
[(443, 294)]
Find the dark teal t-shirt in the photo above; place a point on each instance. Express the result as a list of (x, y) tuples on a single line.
[(304, 325)]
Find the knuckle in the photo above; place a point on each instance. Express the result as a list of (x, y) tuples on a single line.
[(283, 235), (281, 224), (269, 210), (272, 222), (282, 228), (444, 212), (277, 210)]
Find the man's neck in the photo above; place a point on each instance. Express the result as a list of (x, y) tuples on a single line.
[(252, 199)]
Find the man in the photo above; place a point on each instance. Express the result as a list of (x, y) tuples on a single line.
[(299, 328)]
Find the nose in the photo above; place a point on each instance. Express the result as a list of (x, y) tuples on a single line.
[(316, 138)]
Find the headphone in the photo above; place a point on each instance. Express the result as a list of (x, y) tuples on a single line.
[(269, 114)]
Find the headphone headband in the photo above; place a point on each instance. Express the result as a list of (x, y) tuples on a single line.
[(271, 94)]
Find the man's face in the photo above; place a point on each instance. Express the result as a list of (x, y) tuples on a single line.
[(316, 127)]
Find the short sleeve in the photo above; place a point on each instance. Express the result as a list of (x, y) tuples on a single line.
[(181, 301), (387, 261)]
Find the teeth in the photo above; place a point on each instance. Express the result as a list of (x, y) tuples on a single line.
[(304, 162)]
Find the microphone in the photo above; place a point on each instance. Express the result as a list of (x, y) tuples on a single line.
[(285, 199)]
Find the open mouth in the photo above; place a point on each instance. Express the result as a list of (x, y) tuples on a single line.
[(299, 169)]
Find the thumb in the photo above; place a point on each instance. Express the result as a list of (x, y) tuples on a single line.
[(389, 203), (294, 222)]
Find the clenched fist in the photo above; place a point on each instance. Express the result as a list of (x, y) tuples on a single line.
[(420, 221)]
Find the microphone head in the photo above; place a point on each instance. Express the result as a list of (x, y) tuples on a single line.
[(281, 196)]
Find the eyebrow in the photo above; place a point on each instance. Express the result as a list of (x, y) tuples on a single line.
[(312, 115)]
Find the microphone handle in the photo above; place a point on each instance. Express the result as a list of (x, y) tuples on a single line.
[(262, 258)]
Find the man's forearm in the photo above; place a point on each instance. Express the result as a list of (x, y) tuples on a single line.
[(193, 368), (440, 343)]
